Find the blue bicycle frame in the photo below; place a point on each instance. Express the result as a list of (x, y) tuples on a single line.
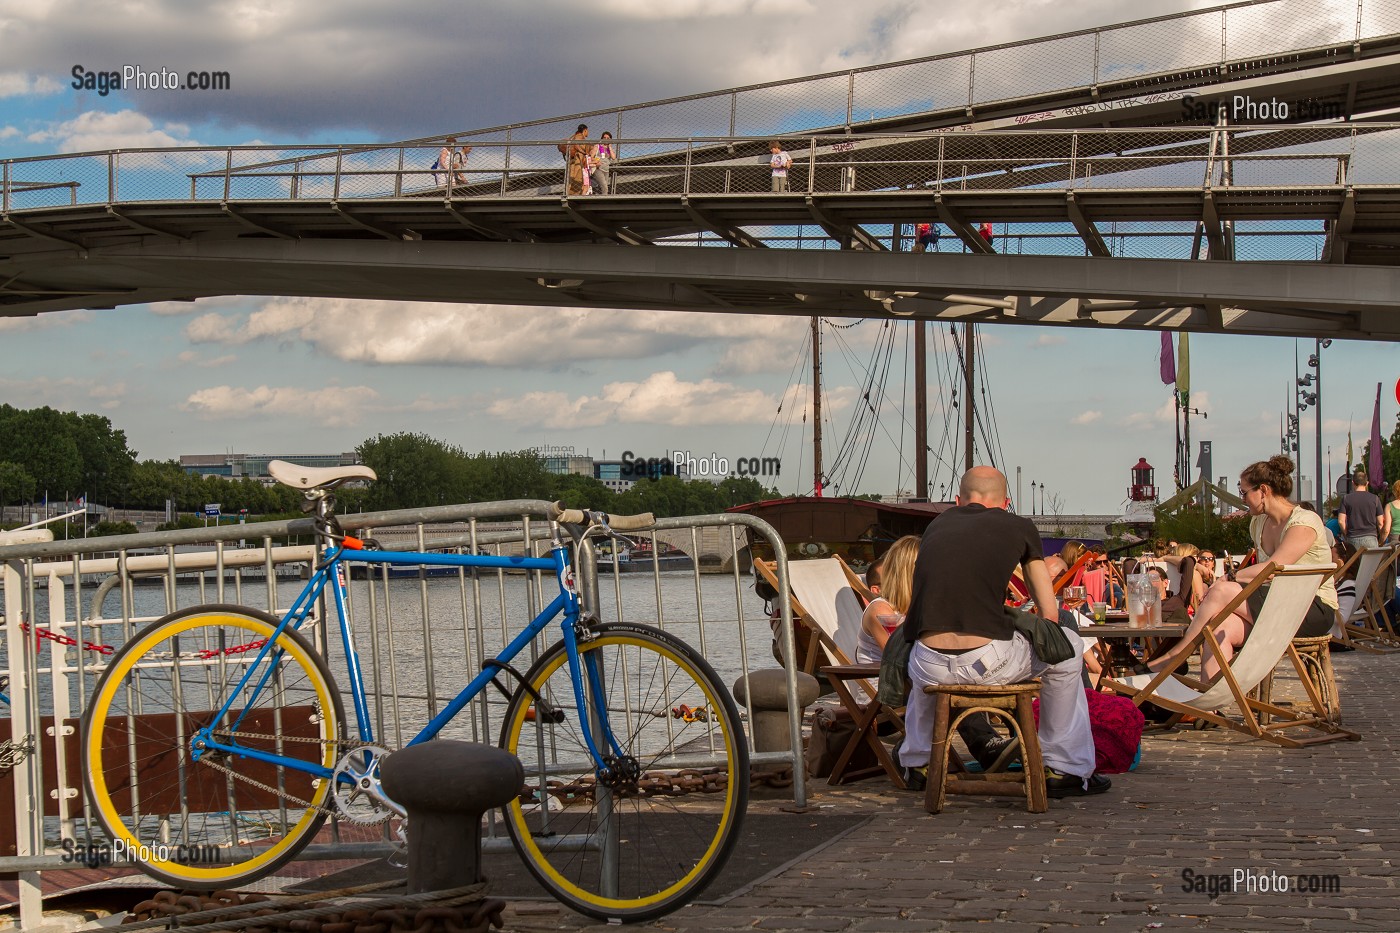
[(327, 575)]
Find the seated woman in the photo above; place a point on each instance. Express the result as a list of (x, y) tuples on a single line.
[(1057, 564), (884, 614), (1283, 533), (1186, 558), (1173, 607)]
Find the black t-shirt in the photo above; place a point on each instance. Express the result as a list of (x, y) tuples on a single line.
[(1363, 511), (965, 560)]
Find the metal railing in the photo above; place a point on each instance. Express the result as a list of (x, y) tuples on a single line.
[(1038, 160), (68, 604)]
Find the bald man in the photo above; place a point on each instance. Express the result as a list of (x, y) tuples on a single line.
[(962, 631)]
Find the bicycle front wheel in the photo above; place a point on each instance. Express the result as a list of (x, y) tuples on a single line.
[(223, 819), (647, 838)]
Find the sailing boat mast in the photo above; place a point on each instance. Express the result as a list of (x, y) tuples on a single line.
[(816, 406), (969, 406), (921, 490)]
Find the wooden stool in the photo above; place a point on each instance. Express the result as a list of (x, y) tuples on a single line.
[(1313, 661), (1315, 658), (1012, 704)]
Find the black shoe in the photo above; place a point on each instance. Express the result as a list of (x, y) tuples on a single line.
[(990, 754), (915, 778), (1124, 662), (1059, 785)]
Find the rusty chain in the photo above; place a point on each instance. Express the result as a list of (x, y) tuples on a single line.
[(469, 914), (660, 784), (12, 753)]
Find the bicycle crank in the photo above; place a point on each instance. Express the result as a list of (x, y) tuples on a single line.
[(357, 794)]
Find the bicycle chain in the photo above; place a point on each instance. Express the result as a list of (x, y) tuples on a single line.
[(344, 748)]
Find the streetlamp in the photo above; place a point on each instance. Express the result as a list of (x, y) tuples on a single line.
[(1314, 400)]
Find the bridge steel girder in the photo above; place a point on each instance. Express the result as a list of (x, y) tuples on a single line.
[(1297, 299)]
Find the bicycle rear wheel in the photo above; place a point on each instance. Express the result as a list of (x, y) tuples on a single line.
[(649, 840), (225, 819)]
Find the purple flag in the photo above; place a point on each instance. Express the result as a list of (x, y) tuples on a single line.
[(1168, 360), (1377, 478)]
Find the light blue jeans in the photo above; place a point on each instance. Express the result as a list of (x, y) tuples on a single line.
[(1066, 741)]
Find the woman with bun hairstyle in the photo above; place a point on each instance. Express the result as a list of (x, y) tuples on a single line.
[(1283, 533)]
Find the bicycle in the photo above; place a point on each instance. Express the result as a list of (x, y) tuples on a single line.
[(216, 744)]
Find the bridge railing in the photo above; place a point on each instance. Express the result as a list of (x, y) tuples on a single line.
[(66, 606), (1191, 157)]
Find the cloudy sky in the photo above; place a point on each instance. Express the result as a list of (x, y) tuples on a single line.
[(1074, 409)]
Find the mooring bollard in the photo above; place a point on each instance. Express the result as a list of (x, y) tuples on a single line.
[(767, 691), (446, 786)]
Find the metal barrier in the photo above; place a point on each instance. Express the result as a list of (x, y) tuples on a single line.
[(68, 604)]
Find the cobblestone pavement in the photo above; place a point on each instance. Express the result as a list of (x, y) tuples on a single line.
[(1210, 803)]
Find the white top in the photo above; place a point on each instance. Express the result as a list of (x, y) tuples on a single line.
[(780, 162), (867, 650), (1318, 554)]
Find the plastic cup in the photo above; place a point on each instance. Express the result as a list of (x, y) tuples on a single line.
[(1100, 612)]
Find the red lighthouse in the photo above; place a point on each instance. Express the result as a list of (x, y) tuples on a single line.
[(1143, 488)]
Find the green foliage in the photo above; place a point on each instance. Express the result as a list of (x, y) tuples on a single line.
[(1205, 530), (67, 454), (16, 483), (103, 529)]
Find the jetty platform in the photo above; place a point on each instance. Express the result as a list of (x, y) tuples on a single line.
[(1208, 803)]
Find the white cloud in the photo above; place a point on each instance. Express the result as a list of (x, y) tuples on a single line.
[(696, 9), (177, 308), (335, 407), (1086, 417), (125, 129), (191, 358), (662, 398), (1050, 340), (8, 132), (398, 332), (108, 394), (50, 319), (19, 84), (1165, 413)]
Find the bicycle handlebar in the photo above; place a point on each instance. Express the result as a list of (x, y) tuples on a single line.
[(616, 522)]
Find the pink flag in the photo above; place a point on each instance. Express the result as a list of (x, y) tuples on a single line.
[(1168, 360), (1377, 478)]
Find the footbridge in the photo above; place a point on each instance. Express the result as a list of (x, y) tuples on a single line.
[(1135, 201)]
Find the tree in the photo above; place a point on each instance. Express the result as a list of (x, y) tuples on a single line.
[(16, 485), (413, 470)]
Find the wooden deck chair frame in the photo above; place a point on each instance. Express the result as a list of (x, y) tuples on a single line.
[(1291, 590), (1361, 630), (867, 713), (1021, 588)]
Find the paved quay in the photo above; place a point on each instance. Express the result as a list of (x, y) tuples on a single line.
[(1208, 802)]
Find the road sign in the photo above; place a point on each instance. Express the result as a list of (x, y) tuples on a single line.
[(211, 510)]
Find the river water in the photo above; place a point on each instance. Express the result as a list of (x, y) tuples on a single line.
[(415, 635)]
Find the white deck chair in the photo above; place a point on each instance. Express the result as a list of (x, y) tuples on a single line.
[(1291, 591), (1360, 629), (827, 595), (1172, 571), (829, 599)]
